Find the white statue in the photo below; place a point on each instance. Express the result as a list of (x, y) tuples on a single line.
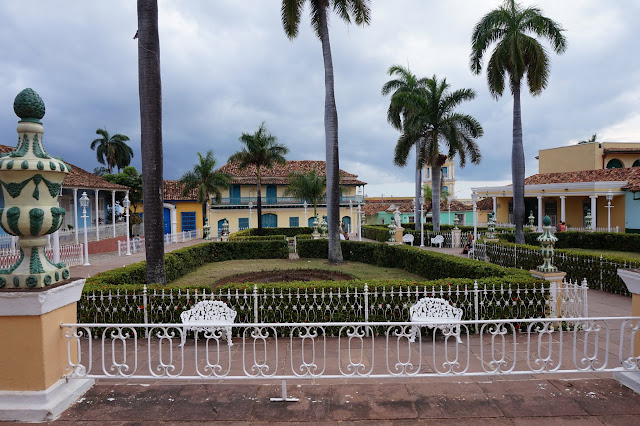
[(397, 218)]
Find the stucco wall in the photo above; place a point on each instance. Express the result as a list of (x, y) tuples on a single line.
[(632, 217)]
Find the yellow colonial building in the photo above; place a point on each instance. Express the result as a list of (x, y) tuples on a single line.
[(181, 213), (599, 179), (239, 202), (448, 177)]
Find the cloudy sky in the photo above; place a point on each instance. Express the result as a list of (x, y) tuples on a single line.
[(227, 66)]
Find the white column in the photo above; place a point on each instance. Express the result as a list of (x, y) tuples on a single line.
[(495, 205), (97, 217), (75, 211), (540, 214), (562, 208), (174, 221), (56, 241), (474, 197), (113, 212), (593, 211)]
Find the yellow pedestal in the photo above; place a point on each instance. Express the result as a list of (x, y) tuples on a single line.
[(34, 352)]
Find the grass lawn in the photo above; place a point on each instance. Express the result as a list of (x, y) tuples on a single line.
[(214, 271), (627, 254)]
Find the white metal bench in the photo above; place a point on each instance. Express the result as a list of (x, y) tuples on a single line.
[(209, 316), (407, 238), (435, 312), (437, 240)]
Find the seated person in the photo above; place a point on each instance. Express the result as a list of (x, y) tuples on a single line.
[(467, 247)]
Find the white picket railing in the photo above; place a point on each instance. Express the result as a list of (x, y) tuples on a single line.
[(70, 255), (137, 243), (104, 232), (359, 350)]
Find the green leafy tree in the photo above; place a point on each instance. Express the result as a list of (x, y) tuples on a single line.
[(205, 180), (593, 139), (131, 178), (112, 150), (150, 91), (405, 84), (261, 150), (513, 29), (308, 186), (360, 12), (432, 120)]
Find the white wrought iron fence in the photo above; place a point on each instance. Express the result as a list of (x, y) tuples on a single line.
[(598, 229), (104, 232), (136, 245), (70, 255), (359, 350), (181, 237)]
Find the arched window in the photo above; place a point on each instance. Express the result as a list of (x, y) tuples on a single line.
[(636, 163), (445, 172), (614, 164), (269, 220), (445, 188)]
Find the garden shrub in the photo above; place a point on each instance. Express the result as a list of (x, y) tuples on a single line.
[(236, 237), (182, 261), (375, 232)]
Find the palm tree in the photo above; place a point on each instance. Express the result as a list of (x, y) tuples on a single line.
[(261, 150), (150, 91), (359, 11), (112, 150), (513, 29), (405, 83), (308, 186), (432, 120), (205, 180)]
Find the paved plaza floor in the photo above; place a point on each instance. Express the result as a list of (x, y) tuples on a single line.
[(569, 399)]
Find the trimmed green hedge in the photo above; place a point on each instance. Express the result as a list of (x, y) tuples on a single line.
[(428, 264), (375, 232), (587, 240), (236, 237), (287, 232), (180, 262)]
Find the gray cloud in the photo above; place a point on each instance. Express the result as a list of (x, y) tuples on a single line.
[(227, 66)]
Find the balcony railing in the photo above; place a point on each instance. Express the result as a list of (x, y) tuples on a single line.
[(243, 201)]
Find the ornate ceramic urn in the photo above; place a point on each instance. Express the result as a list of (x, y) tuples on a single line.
[(547, 241), (31, 180)]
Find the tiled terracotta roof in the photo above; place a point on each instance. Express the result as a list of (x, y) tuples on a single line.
[(601, 175), (173, 191), (485, 204), (80, 178), (373, 206), (279, 173)]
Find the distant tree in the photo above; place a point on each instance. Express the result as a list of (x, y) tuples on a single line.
[(131, 178), (360, 12), (593, 139), (404, 86), (205, 180), (428, 194), (308, 186), (150, 93), (112, 150), (100, 171), (262, 150), (433, 120), (513, 29)]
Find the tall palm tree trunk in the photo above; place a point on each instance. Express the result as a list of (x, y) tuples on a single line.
[(418, 217), (331, 141), (150, 86), (436, 178), (259, 202), (517, 166)]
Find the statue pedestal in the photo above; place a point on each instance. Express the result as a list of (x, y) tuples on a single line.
[(398, 235), (316, 235), (555, 280), (34, 352), (224, 237), (631, 278), (491, 240), (456, 237)]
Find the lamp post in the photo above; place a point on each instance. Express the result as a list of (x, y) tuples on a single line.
[(84, 202), (250, 205), (350, 216), (421, 222), (305, 205), (609, 207), (126, 203), (359, 222), (474, 199)]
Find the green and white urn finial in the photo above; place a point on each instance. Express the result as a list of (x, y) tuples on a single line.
[(491, 225), (548, 242), (31, 180)]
